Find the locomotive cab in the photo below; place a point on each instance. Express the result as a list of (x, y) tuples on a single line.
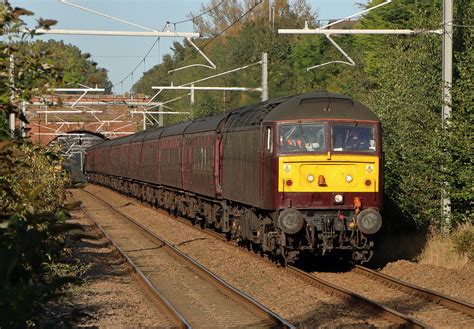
[(328, 190), (323, 178)]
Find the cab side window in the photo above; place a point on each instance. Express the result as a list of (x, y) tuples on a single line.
[(269, 139)]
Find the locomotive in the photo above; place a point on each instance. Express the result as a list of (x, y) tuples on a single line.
[(293, 175)]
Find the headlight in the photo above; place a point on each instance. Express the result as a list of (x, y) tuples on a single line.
[(291, 221), (310, 178), (349, 178), (338, 198), (369, 221)]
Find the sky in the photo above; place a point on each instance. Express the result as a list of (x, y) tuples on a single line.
[(120, 55)]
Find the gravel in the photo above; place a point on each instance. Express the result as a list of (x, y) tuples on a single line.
[(110, 295), (455, 283), (296, 301)]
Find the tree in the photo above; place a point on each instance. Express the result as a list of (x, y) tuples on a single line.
[(402, 81), (19, 68), (75, 67), (459, 170), (32, 187), (249, 35), (399, 77)]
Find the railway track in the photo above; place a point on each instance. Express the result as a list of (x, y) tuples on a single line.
[(430, 295), (395, 315), (429, 308), (191, 295), (376, 308), (350, 296), (465, 315), (173, 315)]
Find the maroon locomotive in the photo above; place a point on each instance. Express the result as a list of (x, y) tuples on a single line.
[(296, 174)]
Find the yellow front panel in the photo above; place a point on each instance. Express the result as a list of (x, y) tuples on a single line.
[(334, 167)]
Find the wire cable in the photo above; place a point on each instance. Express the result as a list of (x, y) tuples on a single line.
[(194, 51), (231, 25), (200, 15), (463, 26), (138, 65), (224, 30)]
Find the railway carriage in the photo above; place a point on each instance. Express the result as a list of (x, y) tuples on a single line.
[(287, 176)]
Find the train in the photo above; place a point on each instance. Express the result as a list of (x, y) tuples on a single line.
[(296, 175)]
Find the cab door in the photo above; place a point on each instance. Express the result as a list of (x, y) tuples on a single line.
[(266, 165)]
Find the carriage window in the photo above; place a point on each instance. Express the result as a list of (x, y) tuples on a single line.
[(302, 138), (269, 140), (353, 137)]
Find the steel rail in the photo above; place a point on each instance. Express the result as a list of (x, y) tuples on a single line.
[(386, 312), (278, 321), (150, 289), (433, 296)]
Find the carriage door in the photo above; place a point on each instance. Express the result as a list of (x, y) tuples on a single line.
[(187, 153)]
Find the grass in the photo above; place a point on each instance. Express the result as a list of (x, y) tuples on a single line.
[(454, 250)]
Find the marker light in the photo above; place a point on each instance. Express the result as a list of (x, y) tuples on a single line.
[(289, 182), (368, 182), (310, 178), (321, 180), (338, 198), (349, 178)]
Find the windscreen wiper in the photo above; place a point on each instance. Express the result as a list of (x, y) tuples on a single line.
[(350, 134), (302, 132)]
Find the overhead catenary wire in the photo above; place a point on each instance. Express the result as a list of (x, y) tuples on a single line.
[(224, 30), (200, 15), (167, 26), (138, 65)]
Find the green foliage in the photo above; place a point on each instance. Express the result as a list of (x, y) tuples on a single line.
[(18, 69), (74, 66), (30, 68), (31, 239), (399, 77), (206, 105), (407, 100), (31, 198), (459, 150), (402, 83)]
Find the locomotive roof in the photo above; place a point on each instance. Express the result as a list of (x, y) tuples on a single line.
[(252, 115), (320, 105)]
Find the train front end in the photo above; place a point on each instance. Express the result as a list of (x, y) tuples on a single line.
[(329, 190)]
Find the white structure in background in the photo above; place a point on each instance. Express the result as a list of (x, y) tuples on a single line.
[(56, 113), (191, 85), (329, 32)]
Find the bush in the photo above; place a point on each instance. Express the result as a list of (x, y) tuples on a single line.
[(463, 240), (31, 238)]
